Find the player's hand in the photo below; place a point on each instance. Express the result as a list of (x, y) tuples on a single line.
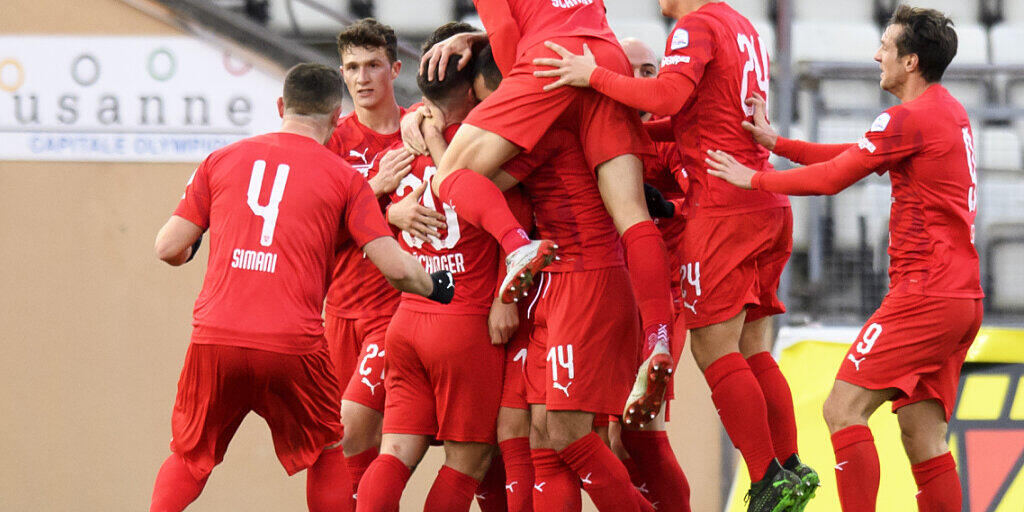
[(393, 166), (502, 321), (657, 205), (435, 61), (763, 132), (723, 165), (414, 218), (571, 69), (412, 135)]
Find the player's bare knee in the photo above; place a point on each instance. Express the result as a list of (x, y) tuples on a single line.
[(513, 423), (839, 414), (566, 427)]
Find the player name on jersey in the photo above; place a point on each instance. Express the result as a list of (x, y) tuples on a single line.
[(254, 260)]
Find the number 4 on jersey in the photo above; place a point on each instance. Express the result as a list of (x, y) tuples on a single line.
[(268, 212)]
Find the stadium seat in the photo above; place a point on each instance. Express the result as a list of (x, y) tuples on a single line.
[(999, 149), (962, 12), (634, 10), (1000, 201), (856, 11), (851, 93), (1006, 43), (1005, 251), (752, 9), (972, 44), (870, 199), (842, 129), (1013, 12), (832, 41), (651, 32), (422, 18), (307, 19), (970, 94)]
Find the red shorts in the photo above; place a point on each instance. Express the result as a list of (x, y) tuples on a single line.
[(521, 111), (513, 390), (585, 341), (735, 262), (443, 377), (296, 394), (915, 344), (357, 351)]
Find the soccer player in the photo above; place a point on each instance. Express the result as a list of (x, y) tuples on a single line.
[(359, 301), (736, 243), (277, 206), (518, 116), (444, 370), (911, 349)]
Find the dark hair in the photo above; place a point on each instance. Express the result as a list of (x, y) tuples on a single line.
[(444, 32), (487, 68), (369, 33), (311, 89), (455, 81), (930, 35)]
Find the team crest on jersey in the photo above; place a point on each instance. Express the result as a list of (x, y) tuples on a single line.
[(680, 39), (881, 122)]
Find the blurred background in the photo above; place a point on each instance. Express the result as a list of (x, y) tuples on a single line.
[(107, 105)]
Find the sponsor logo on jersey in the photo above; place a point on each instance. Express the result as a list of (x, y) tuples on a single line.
[(881, 122), (680, 39), (675, 59), (254, 260), (363, 168), (866, 144)]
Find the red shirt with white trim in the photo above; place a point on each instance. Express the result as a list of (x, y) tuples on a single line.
[(277, 207)]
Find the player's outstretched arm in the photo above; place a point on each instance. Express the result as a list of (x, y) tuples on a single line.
[(826, 178), (178, 241), (663, 95), (799, 151), (404, 272)]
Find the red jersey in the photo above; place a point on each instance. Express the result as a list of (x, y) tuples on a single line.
[(537, 21), (468, 252), (273, 204), (358, 289), (567, 203), (721, 52), (927, 147)]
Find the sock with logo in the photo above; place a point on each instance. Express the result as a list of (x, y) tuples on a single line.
[(380, 489), (357, 465), (518, 473), (175, 487), (490, 495), (602, 474), (555, 485), (452, 491), (938, 485), (647, 262), (743, 411), (477, 200), (663, 481), (857, 470), (779, 399), (328, 484)]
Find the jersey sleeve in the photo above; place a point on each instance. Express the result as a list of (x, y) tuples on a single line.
[(894, 135), (690, 47), (363, 220), (195, 202)]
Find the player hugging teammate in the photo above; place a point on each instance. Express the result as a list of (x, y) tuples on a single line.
[(540, 350)]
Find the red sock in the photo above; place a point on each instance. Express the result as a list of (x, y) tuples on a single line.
[(740, 404), (647, 261), (452, 492), (664, 482), (477, 200), (328, 483), (358, 464), (636, 476), (490, 495), (779, 400), (175, 486), (555, 485), (380, 489), (857, 470), (938, 485), (518, 474), (603, 476)]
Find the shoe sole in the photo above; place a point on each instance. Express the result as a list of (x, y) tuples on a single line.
[(520, 285), (808, 487), (648, 405)]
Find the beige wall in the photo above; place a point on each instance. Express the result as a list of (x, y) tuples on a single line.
[(95, 331)]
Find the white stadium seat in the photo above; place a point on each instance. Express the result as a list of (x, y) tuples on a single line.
[(752, 9), (999, 149), (851, 93), (870, 199), (834, 41), (970, 94), (1006, 43), (651, 32), (1000, 200), (972, 44), (1007, 289), (857, 11), (421, 18), (842, 129), (962, 12), (647, 10), (1013, 12), (307, 19)]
